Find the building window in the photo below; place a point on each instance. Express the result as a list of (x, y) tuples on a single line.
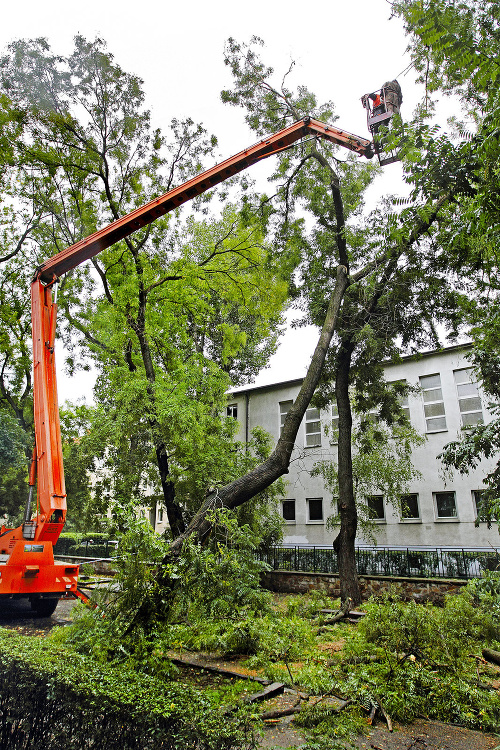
[(469, 400), (433, 403), (446, 506), (315, 509), (403, 402), (376, 507), (160, 515), (313, 428), (478, 497), (288, 510), (334, 438), (409, 507), (232, 411), (285, 407)]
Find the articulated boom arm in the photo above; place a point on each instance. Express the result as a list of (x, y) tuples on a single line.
[(90, 246), (51, 490)]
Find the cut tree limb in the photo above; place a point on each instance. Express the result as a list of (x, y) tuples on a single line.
[(490, 655)]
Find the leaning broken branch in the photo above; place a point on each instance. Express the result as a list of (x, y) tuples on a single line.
[(258, 479)]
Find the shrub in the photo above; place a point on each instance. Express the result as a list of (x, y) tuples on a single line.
[(53, 698), (423, 663)]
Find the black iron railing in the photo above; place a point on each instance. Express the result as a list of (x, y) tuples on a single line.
[(384, 561), (374, 561)]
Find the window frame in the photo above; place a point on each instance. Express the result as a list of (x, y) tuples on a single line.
[(376, 519), (411, 519), (230, 408), (283, 414), (404, 401), (446, 519), (315, 420), (433, 402), (289, 521), (460, 398), (308, 505)]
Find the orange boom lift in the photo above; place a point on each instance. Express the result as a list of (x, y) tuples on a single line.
[(27, 566)]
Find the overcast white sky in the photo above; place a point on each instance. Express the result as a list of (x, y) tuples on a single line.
[(342, 50)]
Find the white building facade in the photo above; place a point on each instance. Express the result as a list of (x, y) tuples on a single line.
[(439, 510)]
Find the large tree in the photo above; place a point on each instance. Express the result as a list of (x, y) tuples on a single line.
[(403, 285), (456, 50), (167, 315), (368, 283)]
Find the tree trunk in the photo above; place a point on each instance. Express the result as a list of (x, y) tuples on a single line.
[(174, 511), (344, 544)]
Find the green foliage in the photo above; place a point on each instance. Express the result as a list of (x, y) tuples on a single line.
[(455, 49), (110, 631), (166, 317), (381, 464), (14, 447), (220, 581), (309, 605), (55, 697), (215, 589), (328, 725), (422, 661)]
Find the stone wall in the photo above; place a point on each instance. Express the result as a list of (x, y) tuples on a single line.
[(419, 589)]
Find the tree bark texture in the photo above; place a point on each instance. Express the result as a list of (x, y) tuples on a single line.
[(344, 544)]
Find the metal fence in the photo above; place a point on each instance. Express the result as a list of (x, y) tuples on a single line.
[(371, 561), (383, 561)]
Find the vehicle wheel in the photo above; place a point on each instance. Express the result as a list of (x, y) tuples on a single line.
[(44, 607)]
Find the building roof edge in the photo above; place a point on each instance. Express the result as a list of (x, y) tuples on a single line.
[(238, 391)]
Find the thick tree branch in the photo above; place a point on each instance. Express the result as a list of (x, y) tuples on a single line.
[(242, 489)]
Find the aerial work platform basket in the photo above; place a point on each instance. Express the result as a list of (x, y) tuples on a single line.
[(379, 112)]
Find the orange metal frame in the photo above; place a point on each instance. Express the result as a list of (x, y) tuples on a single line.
[(27, 566)]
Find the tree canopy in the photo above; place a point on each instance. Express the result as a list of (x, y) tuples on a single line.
[(455, 48), (167, 316)]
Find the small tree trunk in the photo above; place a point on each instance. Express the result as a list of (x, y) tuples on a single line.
[(344, 544), (174, 511)]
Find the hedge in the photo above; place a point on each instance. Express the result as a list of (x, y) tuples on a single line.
[(52, 698)]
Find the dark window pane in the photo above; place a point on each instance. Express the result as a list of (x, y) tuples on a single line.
[(315, 509), (409, 506), (232, 411), (376, 506), (289, 510)]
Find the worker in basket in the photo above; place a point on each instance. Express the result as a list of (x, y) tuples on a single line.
[(393, 96), (377, 104)]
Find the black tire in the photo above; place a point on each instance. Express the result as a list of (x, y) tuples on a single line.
[(44, 607)]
